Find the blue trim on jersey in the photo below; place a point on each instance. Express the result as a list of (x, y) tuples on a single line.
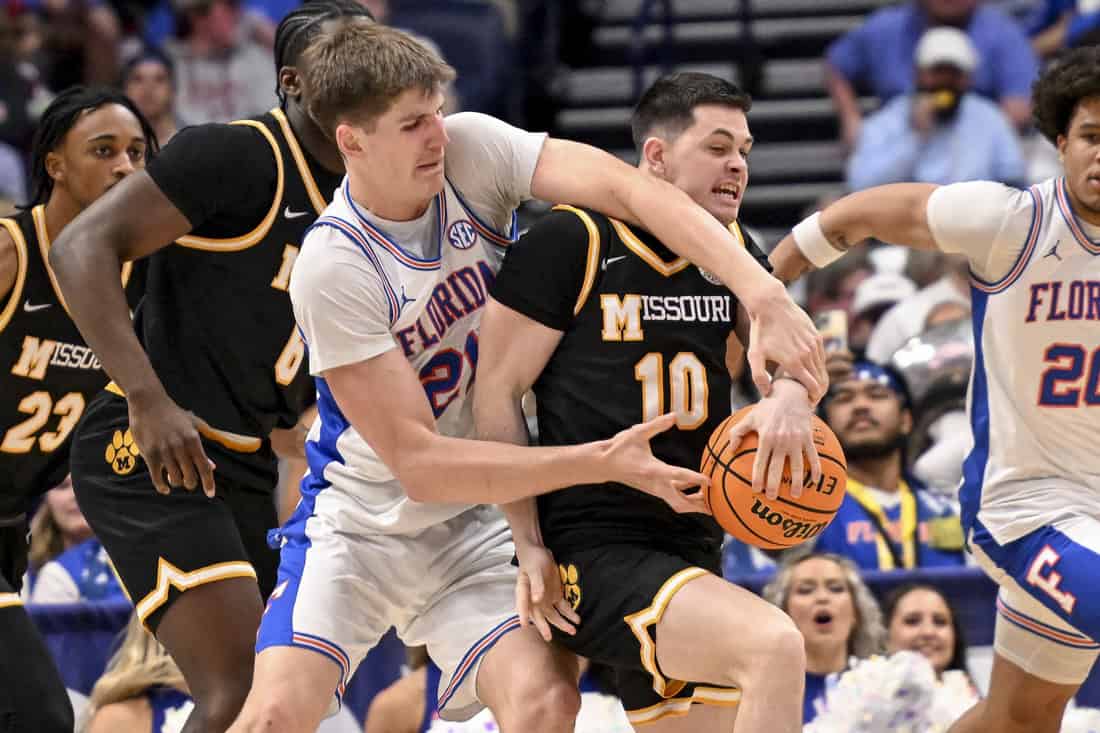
[(1072, 221), (491, 233), (403, 256), (1076, 567), (277, 623), (475, 653), (970, 493), (355, 236), (1030, 243), (431, 689)]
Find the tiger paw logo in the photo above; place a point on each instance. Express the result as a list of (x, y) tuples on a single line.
[(570, 582), (122, 453)]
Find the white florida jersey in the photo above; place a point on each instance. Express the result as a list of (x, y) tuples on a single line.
[(435, 308), (1035, 388)]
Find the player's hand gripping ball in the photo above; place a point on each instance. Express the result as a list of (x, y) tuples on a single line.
[(753, 518)]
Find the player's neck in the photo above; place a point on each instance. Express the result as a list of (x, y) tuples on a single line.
[(826, 660), (60, 210), (319, 147), (882, 473), (1083, 212), (385, 203)]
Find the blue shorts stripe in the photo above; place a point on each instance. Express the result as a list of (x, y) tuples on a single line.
[(478, 650)]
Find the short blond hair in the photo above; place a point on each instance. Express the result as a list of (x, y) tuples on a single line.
[(354, 71)]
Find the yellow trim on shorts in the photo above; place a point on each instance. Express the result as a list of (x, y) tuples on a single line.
[(21, 263), (640, 622), (232, 441), (168, 576), (8, 600), (592, 264), (682, 706), (236, 244)]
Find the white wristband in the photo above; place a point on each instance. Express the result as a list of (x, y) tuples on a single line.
[(812, 242)]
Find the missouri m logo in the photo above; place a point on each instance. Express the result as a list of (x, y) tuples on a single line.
[(122, 453), (622, 318), (570, 582), (35, 358)]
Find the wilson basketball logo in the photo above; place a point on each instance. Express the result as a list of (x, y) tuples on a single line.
[(122, 453), (462, 234), (789, 528)]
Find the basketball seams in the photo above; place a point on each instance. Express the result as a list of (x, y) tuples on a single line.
[(716, 457)]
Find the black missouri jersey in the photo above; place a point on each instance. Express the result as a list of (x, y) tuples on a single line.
[(47, 372), (216, 321), (645, 333)]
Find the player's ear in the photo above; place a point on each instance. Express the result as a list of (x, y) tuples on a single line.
[(653, 154), (347, 140), (906, 421), (55, 166), (290, 82)]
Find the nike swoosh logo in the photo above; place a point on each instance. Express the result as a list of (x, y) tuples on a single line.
[(611, 261), (290, 214), (28, 308)]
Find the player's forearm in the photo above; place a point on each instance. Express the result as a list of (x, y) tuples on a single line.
[(895, 213), (89, 274), (498, 416), (689, 231), (477, 472)]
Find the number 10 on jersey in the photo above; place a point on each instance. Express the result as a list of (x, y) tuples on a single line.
[(687, 388)]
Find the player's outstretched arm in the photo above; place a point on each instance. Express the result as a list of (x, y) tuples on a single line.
[(896, 213), (783, 333), (385, 403), (131, 221)]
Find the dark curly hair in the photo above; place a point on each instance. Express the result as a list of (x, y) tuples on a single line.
[(1072, 77)]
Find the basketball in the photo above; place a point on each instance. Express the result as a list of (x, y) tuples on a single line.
[(753, 518)]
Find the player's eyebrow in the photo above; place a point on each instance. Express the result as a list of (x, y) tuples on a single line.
[(103, 137), (733, 138)]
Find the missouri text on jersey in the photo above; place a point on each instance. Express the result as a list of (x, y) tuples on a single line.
[(623, 317), (38, 354)]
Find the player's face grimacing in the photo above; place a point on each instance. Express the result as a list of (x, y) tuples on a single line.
[(101, 149), (709, 160), (866, 416), (820, 603), (1080, 149), (404, 149)]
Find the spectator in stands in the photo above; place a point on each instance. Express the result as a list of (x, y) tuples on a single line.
[(141, 690), (910, 316), (941, 132), (887, 521), (221, 73), (836, 613), (147, 79), (872, 298), (833, 287), (13, 179), (919, 618), (877, 57), (1055, 25), (67, 563), (80, 40)]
